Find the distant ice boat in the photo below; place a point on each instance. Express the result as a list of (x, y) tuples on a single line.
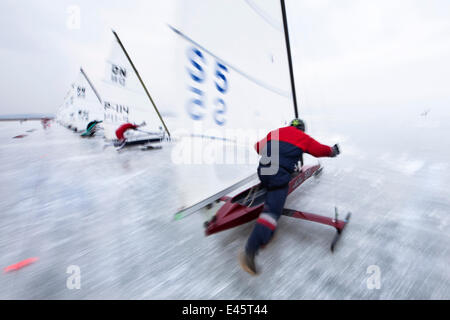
[(127, 100), (20, 136), (82, 105)]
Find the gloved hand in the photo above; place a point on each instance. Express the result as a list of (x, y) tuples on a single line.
[(335, 150)]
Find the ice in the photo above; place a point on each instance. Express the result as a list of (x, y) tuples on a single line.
[(69, 201)]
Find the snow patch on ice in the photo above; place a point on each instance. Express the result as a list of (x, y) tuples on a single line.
[(377, 183), (351, 150), (410, 167), (430, 124), (440, 166), (123, 178), (404, 164)]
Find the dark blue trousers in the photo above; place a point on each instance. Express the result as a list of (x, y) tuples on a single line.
[(277, 186)]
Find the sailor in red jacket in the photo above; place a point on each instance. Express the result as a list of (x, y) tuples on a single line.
[(281, 152), (120, 132)]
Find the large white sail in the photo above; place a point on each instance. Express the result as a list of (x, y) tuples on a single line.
[(232, 71), (125, 99), (231, 82)]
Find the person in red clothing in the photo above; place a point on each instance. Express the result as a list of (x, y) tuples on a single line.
[(120, 132), (280, 152), (45, 123)]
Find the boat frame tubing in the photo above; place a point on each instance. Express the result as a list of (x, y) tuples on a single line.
[(233, 214)]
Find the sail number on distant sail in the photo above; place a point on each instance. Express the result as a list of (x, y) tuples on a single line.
[(83, 115), (81, 92), (197, 106)]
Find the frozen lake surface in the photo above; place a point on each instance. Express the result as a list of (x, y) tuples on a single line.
[(68, 201)]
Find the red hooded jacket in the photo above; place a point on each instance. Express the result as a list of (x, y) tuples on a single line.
[(123, 128)]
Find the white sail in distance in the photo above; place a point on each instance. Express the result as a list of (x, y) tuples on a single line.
[(62, 115), (125, 98), (82, 104)]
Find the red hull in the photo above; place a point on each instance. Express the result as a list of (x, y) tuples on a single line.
[(234, 212)]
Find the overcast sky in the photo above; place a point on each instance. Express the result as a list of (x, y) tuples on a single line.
[(346, 52)]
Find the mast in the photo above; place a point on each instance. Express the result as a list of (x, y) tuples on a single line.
[(90, 84), (140, 80), (288, 47)]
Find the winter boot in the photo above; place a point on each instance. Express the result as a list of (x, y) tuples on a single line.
[(247, 262)]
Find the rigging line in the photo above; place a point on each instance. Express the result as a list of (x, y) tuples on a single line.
[(92, 86), (264, 15), (252, 79), (141, 81), (288, 47)]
